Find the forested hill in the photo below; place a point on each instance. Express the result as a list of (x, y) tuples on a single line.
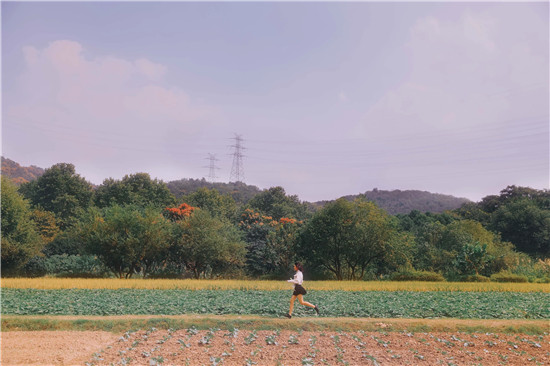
[(403, 202), (20, 174), (240, 192), (394, 202)]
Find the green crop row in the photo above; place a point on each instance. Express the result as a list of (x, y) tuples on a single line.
[(374, 304)]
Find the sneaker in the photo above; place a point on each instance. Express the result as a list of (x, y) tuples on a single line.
[(316, 309), (288, 316)]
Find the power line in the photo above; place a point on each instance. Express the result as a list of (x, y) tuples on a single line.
[(237, 169)]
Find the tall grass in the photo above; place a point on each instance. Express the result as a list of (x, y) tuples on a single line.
[(171, 284)]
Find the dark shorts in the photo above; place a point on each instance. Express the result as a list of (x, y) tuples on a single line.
[(299, 290)]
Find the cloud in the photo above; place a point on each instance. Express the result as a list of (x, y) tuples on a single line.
[(103, 105), (465, 73), (342, 97)]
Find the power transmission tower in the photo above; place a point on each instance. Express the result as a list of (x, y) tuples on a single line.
[(237, 169), (212, 167)]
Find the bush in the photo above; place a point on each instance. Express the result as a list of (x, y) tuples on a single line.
[(85, 266), (412, 275), (474, 278), (508, 277)]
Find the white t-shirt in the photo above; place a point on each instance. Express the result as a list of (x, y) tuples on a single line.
[(298, 278)]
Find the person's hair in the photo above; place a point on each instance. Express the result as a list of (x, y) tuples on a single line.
[(299, 266)]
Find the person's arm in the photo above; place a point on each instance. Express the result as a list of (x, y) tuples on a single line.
[(294, 280), (298, 278)]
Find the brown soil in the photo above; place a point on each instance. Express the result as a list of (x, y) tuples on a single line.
[(52, 348), (222, 347)]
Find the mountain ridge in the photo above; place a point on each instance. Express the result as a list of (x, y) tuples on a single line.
[(394, 201)]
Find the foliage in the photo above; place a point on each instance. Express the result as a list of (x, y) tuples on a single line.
[(220, 206), (20, 241), (178, 213), (20, 174), (70, 266), (506, 276), (61, 191), (526, 225), (275, 203), (46, 224), (521, 215), (346, 238), (270, 243), (412, 275), (402, 202), (475, 278), (372, 304), (135, 189), (207, 246), (126, 239), (240, 192)]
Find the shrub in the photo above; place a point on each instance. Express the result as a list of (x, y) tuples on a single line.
[(474, 278), (85, 266), (508, 277), (412, 275)]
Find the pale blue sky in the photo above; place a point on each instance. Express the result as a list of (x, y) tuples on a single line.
[(330, 98)]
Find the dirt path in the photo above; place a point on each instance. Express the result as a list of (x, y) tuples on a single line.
[(52, 348), (283, 347)]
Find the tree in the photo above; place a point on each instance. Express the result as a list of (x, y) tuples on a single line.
[(46, 224), (208, 246), (524, 224), (126, 239), (20, 241), (135, 189), (61, 191), (345, 238), (221, 206), (270, 244), (275, 203)]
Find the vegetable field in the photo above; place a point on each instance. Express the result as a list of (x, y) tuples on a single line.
[(372, 304)]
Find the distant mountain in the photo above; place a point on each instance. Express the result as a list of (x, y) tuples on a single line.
[(403, 202), (241, 192), (394, 202), (20, 174)]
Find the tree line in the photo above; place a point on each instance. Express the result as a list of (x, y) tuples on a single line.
[(60, 225)]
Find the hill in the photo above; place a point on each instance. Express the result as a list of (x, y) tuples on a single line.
[(240, 192), (20, 174), (403, 202), (394, 202)]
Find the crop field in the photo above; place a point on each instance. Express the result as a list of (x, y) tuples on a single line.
[(168, 284), (174, 322), (371, 304)]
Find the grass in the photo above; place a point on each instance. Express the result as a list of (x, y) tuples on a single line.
[(47, 283), (118, 324)]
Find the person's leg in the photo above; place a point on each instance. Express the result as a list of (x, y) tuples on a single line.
[(301, 299), (292, 304)]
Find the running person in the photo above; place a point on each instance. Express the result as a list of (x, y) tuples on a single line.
[(299, 291)]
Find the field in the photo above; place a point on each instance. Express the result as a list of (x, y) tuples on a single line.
[(240, 323)]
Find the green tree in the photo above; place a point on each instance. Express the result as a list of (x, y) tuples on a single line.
[(346, 238), (525, 224), (20, 241), (46, 224), (127, 239), (275, 203), (208, 246), (135, 189), (221, 206), (61, 191), (472, 259)]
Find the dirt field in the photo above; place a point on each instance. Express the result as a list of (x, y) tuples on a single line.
[(284, 347)]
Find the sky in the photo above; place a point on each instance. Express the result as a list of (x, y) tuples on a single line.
[(329, 98)]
